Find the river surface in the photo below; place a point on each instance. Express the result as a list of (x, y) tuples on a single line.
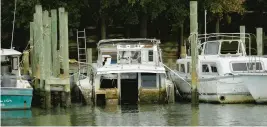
[(178, 114)]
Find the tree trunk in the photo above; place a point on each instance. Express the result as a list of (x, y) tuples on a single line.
[(103, 27), (217, 28), (143, 26)]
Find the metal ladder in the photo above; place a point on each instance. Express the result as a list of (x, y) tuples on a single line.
[(81, 48)]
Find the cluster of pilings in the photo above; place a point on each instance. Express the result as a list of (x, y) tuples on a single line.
[(49, 60)]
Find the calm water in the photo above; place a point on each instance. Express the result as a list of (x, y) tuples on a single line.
[(162, 115)]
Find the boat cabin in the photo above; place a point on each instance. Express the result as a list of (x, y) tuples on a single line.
[(9, 67), (128, 51)]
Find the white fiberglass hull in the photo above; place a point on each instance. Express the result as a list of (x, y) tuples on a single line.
[(257, 86), (220, 89)]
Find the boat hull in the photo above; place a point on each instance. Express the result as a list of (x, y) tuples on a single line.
[(16, 98), (257, 86), (228, 89)]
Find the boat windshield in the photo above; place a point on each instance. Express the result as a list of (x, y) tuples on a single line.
[(229, 47), (211, 48)]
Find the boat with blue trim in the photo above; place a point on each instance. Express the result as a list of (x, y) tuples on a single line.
[(16, 92)]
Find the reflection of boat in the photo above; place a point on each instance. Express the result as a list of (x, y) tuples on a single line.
[(16, 114), (224, 71), (16, 93)]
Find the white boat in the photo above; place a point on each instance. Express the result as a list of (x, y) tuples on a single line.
[(132, 70), (16, 93), (226, 73)]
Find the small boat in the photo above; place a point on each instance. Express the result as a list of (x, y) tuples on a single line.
[(16, 93), (129, 71), (226, 73)]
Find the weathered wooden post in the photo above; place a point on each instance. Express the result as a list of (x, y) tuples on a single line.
[(119, 87), (194, 50), (259, 42), (47, 57), (55, 63), (89, 60), (32, 50), (26, 65), (242, 33), (64, 53), (39, 43)]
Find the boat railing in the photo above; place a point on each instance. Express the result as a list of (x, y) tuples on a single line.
[(201, 38)]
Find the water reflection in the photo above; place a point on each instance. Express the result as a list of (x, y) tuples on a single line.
[(195, 115), (9, 114), (129, 109), (140, 115)]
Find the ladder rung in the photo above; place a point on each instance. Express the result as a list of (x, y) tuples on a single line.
[(82, 54), (81, 31), (81, 37), (81, 48)]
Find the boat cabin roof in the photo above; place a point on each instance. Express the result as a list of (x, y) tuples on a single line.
[(128, 41), (9, 52)]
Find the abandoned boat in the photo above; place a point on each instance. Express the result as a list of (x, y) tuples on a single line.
[(129, 71), (16, 93), (226, 74)]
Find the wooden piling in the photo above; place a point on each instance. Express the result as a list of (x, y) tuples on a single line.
[(39, 45), (55, 61), (64, 53), (89, 60), (47, 57), (259, 42), (242, 33), (32, 70), (119, 87), (194, 51), (26, 65)]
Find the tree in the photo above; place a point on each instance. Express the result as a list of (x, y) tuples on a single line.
[(147, 10), (220, 8), (26, 9)]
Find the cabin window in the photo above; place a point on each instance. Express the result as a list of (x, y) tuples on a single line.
[(182, 69), (150, 55), (177, 67), (136, 57), (149, 80), (255, 66), (211, 48), (213, 69), (229, 47), (205, 68), (246, 66)]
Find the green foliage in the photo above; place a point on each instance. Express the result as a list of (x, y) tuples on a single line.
[(219, 8), (26, 8), (177, 11)]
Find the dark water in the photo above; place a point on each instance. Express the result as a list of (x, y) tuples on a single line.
[(142, 115)]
